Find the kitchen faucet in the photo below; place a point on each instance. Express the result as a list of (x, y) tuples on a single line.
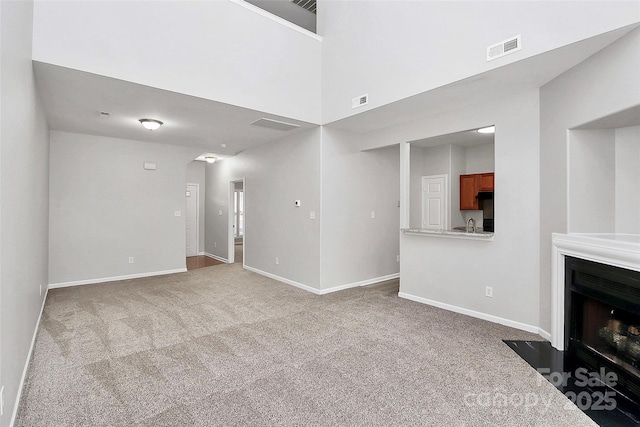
[(471, 223)]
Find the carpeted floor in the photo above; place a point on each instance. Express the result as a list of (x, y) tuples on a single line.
[(224, 346)]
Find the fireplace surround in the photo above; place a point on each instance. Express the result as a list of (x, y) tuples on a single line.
[(596, 303)]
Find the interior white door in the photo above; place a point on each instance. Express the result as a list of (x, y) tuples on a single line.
[(192, 219), (435, 208)]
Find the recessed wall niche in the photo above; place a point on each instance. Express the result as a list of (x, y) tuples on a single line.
[(604, 176)]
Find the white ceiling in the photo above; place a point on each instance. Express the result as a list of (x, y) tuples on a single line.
[(74, 99)]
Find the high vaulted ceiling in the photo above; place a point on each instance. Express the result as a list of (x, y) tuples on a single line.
[(74, 99)]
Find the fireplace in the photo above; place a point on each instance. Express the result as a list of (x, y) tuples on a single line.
[(602, 321)]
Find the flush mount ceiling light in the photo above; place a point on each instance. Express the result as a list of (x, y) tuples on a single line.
[(210, 159), (151, 124), (488, 129)]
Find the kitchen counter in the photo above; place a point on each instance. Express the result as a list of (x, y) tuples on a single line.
[(455, 234)]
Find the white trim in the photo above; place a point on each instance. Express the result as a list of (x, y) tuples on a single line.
[(472, 313), (375, 280), (605, 248), (231, 237), (284, 280), (115, 278), (276, 18), (328, 290), (26, 363), (216, 257), (197, 216), (544, 334), (360, 283)]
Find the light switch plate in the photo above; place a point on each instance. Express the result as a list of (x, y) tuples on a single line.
[(177, 213)]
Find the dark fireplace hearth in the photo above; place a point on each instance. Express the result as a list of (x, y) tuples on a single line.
[(602, 321)]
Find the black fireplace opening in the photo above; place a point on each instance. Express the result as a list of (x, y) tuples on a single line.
[(602, 322)]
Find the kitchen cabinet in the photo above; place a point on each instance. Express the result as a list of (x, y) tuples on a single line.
[(468, 192), (485, 182), (470, 185)]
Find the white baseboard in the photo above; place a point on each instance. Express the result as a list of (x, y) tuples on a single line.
[(472, 313), (323, 291), (26, 363), (216, 257), (115, 278), (360, 283), (284, 280), (378, 279), (544, 334)]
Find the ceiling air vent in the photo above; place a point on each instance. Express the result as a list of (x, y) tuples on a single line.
[(503, 48), (309, 5), (359, 101), (274, 124)]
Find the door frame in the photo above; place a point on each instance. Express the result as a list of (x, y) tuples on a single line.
[(231, 247), (197, 218)]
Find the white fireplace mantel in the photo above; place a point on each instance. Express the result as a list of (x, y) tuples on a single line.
[(620, 250)]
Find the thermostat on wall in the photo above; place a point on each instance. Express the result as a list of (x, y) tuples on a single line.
[(150, 166)]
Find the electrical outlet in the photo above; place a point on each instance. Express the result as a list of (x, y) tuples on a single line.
[(488, 291), (130, 260), (397, 258), (1, 401), (219, 212), (277, 260), (177, 213), (312, 215), (215, 244), (373, 214)]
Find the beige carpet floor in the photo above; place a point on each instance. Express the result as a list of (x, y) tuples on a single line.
[(224, 346)]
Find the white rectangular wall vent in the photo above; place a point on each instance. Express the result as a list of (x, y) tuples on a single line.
[(275, 124), (505, 47), (359, 101)]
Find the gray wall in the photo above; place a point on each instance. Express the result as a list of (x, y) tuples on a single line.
[(627, 180), (424, 162), (480, 158), (325, 169), (276, 174), (604, 84), (215, 50), (196, 175), (24, 199), (106, 208), (395, 49), (591, 181), (455, 271), (356, 247)]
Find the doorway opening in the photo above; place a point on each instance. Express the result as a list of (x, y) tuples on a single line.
[(237, 221), (192, 195)]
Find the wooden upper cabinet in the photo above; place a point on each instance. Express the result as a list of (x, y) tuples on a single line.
[(468, 192), (469, 187), (486, 182)]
